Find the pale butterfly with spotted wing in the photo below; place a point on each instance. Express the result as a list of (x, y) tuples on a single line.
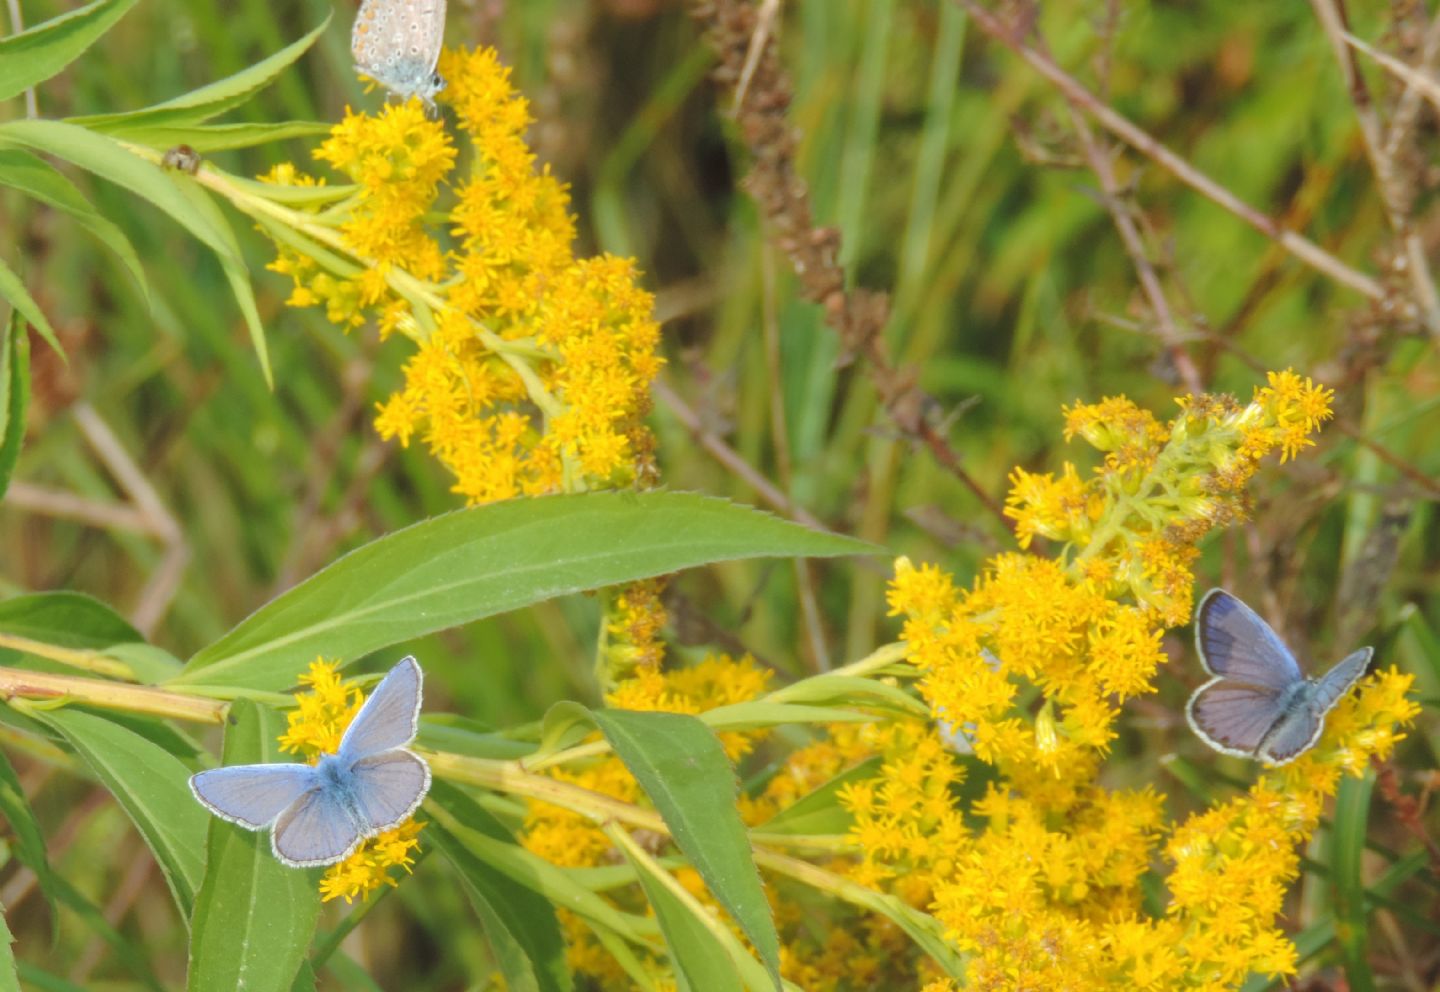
[(1257, 703), (321, 813), (397, 44)]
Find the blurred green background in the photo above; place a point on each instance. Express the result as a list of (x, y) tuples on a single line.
[(952, 172)]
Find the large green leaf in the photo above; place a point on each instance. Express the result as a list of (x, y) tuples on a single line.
[(474, 563), (533, 872), (109, 159), (74, 620), (14, 395), (1346, 848), (13, 291), (680, 764), (35, 177), (152, 786), (702, 961), (222, 137), (36, 54), (254, 917), (820, 812), (207, 101), (235, 272), (9, 980), (29, 843), (29, 848), (520, 924), (69, 619)]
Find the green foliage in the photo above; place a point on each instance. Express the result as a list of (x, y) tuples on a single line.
[(681, 766), (14, 394), (478, 562), (34, 55), (948, 168), (254, 918)]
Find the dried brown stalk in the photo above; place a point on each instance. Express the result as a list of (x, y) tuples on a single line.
[(1012, 37), (736, 31)]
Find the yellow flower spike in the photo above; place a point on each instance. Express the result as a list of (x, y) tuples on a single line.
[(1040, 882), (536, 376)]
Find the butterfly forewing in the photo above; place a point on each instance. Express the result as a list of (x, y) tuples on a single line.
[(251, 795), (389, 718), (316, 829), (1235, 643), (1233, 717), (388, 787)]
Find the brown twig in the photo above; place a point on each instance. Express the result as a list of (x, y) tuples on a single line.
[(1407, 811), (859, 316), (1301, 247), (1387, 178), (1099, 158), (1407, 108), (731, 459)]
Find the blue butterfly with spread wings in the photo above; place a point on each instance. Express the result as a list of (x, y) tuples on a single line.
[(320, 813), (1258, 704)]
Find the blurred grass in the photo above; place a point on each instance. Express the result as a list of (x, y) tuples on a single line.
[(1013, 296)]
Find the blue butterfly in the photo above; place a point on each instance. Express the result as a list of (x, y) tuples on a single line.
[(1258, 704), (321, 813)]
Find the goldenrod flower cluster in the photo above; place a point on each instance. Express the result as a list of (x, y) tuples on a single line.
[(315, 727), (1038, 879), (532, 367)]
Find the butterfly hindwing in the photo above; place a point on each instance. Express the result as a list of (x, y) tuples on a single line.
[(317, 829), (1233, 717), (1295, 732), (388, 788)]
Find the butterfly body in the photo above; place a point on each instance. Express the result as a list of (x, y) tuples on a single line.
[(397, 43), (320, 814), (1257, 703)]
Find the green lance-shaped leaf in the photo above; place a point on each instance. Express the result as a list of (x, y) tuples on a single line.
[(29, 849), (208, 101), (69, 619), (153, 788), (470, 564), (235, 272), (706, 955), (9, 979), (224, 137), (520, 924), (39, 52), (820, 812), (193, 209), (1346, 849), (109, 159), (680, 764), (74, 620), (557, 886), (37, 178), (254, 917), (13, 291), (14, 395)]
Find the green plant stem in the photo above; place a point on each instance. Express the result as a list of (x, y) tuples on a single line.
[(89, 661), (16, 683)]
